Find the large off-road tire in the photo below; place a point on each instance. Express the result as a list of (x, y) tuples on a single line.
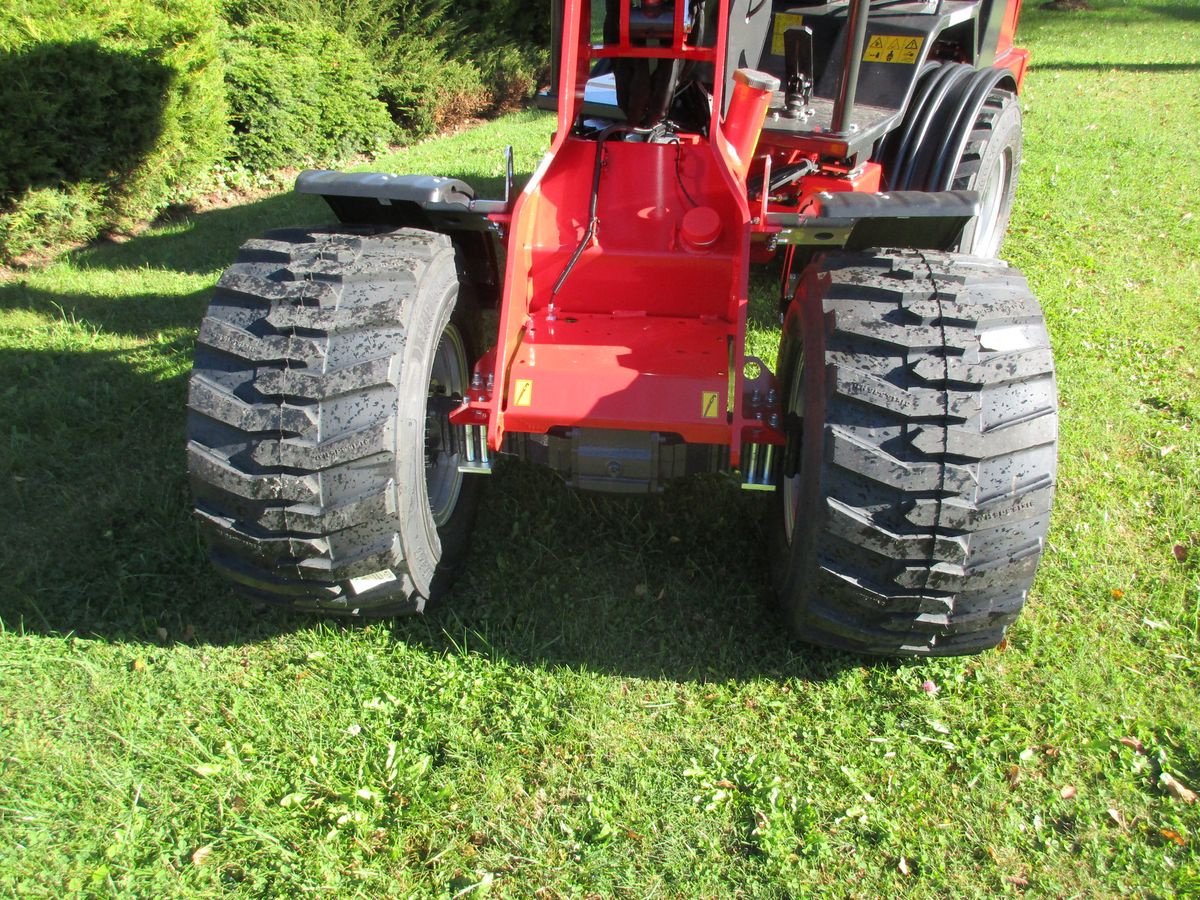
[(989, 164), (323, 467), (922, 427)]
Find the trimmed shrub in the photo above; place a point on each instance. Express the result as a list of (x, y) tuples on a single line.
[(426, 92), (300, 93), (110, 107), (438, 63), (44, 217), (499, 23)]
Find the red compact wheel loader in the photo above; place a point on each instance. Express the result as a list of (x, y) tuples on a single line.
[(346, 402)]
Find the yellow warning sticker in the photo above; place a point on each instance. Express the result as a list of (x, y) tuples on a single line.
[(710, 404), (893, 48), (783, 21), (523, 392)]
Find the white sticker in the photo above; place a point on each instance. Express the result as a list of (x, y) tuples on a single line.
[(365, 583)]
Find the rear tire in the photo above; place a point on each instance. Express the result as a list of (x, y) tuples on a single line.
[(922, 428), (989, 164), (324, 471)]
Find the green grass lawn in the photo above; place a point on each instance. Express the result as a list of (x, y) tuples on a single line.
[(607, 706)]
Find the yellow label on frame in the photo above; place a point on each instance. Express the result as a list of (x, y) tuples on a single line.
[(523, 392), (893, 48), (783, 21), (710, 404)]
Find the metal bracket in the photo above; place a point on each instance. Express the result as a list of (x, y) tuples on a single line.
[(921, 220)]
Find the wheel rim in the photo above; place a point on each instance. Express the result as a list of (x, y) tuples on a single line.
[(794, 416), (991, 205), (447, 386)]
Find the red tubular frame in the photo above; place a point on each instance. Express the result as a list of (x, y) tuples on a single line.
[(648, 329), (635, 319)]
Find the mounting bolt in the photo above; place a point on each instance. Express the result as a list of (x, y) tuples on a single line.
[(755, 397), (772, 397), (476, 381), (491, 382), (774, 421)]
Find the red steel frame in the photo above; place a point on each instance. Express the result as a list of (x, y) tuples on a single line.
[(647, 332)]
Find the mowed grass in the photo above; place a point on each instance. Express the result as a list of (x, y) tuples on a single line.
[(607, 706)]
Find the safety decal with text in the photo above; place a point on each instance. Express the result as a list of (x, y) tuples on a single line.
[(710, 404), (523, 392), (893, 48), (783, 21)]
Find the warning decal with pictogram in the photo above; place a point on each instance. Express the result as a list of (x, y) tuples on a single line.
[(893, 48)]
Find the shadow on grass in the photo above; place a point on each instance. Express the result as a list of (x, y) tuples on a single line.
[(100, 541), (1145, 68), (1188, 12), (675, 586)]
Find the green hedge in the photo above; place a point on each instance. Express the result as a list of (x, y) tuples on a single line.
[(301, 93), (110, 107), (115, 108)]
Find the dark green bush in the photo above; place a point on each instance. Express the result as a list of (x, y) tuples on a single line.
[(504, 23), (109, 108), (439, 61), (425, 92), (300, 93)]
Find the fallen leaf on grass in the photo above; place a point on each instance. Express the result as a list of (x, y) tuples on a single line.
[(200, 855), (1118, 818), (726, 784), (1013, 776), (1117, 593), (137, 665), (1017, 880), (1173, 836), (1134, 744), (1177, 788), (1180, 552), (903, 867), (1068, 792)]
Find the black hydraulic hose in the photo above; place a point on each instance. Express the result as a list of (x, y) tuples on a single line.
[(954, 140), (912, 120), (887, 153), (909, 174), (593, 218)]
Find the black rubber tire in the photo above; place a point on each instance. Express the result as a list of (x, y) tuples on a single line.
[(989, 164), (922, 424), (308, 444)]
